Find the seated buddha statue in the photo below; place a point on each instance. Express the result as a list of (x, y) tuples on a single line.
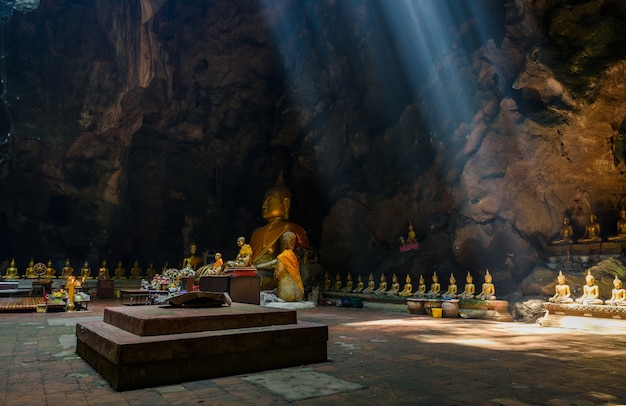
[(12, 272), (488, 291), (120, 272), (349, 284), (407, 290), (421, 288), (359, 285), (382, 286), (265, 240), (621, 228), (591, 292), (136, 271), (103, 271), (50, 271), (151, 271), (244, 257), (338, 283), (562, 291), (370, 284), (469, 290), (67, 269), (411, 235), (30, 270), (435, 287), (193, 260), (618, 294), (451, 293), (85, 271), (326, 281), (566, 234), (592, 231), (395, 286)]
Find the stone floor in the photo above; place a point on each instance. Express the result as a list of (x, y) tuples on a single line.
[(375, 357)]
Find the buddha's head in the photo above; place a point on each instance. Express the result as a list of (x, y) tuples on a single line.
[(408, 279), (488, 277), (193, 248), (276, 202), (617, 282), (469, 278), (560, 278), (589, 278), (452, 280), (435, 277)]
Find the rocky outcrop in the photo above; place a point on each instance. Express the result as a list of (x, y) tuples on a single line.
[(132, 129)]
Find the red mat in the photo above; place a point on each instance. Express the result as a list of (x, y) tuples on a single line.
[(20, 303)]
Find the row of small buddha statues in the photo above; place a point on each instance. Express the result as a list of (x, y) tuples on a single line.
[(591, 292), (488, 291), (47, 271), (592, 231)]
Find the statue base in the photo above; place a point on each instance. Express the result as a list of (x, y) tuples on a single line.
[(596, 318), (144, 346)]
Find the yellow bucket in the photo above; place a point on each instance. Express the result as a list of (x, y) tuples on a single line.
[(436, 311)]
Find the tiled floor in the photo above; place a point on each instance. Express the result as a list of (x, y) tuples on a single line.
[(375, 358)]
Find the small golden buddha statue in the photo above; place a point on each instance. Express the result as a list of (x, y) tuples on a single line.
[(566, 234), (488, 291), (120, 272), (469, 290), (337, 285), (30, 270), (370, 284), (411, 235), (12, 272), (451, 293), (103, 271), (50, 271), (408, 287), (618, 294), (150, 272), (136, 271), (85, 271), (326, 281), (395, 286), (435, 287), (359, 285), (382, 286), (193, 260), (621, 227), (591, 292), (349, 284), (421, 287), (562, 292), (592, 231), (67, 269)]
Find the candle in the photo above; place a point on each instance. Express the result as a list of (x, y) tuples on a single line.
[(70, 298)]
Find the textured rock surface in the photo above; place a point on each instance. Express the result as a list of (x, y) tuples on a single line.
[(131, 129)]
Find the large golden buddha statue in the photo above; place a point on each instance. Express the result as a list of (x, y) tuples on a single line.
[(621, 227), (592, 231), (265, 241)]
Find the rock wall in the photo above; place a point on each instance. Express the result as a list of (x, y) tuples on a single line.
[(131, 129)]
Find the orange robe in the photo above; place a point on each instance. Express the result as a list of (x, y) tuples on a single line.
[(292, 265), (264, 240)]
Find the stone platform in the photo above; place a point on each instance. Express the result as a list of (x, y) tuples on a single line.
[(177, 345), (596, 318)]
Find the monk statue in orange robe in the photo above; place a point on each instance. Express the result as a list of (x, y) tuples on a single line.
[(287, 271), (265, 241)]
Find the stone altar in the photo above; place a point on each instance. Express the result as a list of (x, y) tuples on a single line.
[(145, 346)]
